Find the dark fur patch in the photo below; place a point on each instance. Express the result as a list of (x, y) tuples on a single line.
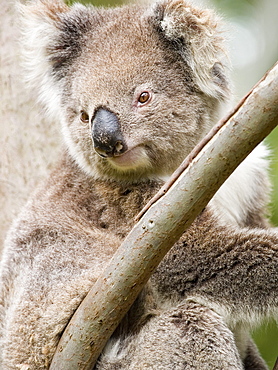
[(68, 45), (177, 46)]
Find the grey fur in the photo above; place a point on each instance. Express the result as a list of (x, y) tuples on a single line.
[(219, 279)]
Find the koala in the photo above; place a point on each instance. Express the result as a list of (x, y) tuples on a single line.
[(135, 88)]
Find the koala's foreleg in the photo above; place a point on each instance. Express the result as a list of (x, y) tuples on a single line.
[(188, 336), (233, 268), (230, 269)]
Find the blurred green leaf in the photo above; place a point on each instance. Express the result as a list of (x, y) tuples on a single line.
[(236, 7), (266, 338)]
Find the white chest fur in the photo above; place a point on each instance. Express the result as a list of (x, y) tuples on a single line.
[(247, 185)]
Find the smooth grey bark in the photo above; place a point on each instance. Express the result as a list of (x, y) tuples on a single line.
[(202, 173)]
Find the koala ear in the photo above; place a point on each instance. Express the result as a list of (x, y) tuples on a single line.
[(196, 34), (51, 40)]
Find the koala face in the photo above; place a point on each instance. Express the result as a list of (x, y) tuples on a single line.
[(130, 102)]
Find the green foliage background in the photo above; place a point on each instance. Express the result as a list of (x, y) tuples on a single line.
[(266, 336)]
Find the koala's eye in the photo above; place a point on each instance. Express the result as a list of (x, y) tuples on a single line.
[(144, 97), (84, 117)]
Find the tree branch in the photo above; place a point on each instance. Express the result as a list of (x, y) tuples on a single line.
[(202, 173), (196, 151)]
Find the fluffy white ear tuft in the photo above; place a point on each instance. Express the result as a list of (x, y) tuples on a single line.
[(40, 27), (196, 34), (51, 40)]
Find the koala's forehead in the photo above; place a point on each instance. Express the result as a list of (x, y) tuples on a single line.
[(123, 47), (120, 32)]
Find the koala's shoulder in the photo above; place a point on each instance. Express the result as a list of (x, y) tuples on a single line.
[(70, 201)]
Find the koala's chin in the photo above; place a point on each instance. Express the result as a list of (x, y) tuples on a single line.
[(131, 167), (131, 160)]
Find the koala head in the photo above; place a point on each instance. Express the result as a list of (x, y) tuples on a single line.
[(134, 87)]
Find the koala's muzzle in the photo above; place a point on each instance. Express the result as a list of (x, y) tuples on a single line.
[(107, 136)]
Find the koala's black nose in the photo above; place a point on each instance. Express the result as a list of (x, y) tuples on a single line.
[(107, 136)]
